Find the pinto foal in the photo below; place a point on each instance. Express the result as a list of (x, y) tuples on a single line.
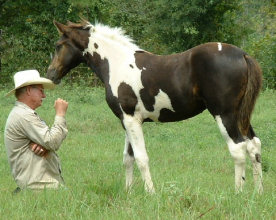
[(141, 86)]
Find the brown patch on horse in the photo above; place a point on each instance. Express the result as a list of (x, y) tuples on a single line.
[(148, 78), (258, 158), (80, 38), (127, 98), (101, 69), (148, 97), (130, 150), (96, 63)]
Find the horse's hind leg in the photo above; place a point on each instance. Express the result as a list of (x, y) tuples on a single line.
[(236, 144), (254, 151), (128, 161), (136, 138)]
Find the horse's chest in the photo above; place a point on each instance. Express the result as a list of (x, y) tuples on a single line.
[(133, 99)]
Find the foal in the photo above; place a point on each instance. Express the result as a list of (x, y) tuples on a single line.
[(141, 86)]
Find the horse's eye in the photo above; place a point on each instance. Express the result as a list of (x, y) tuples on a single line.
[(58, 47)]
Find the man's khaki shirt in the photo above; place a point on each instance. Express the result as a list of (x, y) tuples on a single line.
[(29, 170)]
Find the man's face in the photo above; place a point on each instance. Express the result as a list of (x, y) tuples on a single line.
[(37, 95)]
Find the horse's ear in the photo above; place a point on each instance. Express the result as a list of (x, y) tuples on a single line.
[(69, 23), (62, 29), (84, 20)]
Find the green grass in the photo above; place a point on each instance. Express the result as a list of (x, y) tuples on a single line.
[(190, 165)]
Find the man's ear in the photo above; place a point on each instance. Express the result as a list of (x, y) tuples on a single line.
[(28, 89)]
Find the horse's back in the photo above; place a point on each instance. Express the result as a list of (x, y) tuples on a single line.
[(211, 75)]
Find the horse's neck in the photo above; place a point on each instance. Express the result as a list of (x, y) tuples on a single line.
[(107, 55)]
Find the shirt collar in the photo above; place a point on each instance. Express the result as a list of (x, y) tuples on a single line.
[(23, 105)]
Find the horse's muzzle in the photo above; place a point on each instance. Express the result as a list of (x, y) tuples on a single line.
[(53, 75)]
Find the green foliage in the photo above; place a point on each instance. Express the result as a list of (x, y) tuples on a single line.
[(181, 25), (261, 39), (253, 28), (160, 26), (29, 34)]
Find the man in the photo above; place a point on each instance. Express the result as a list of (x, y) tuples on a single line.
[(30, 143)]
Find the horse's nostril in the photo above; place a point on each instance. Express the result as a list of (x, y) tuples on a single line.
[(53, 75), (50, 74)]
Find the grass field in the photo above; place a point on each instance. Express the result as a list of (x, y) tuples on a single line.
[(190, 164)]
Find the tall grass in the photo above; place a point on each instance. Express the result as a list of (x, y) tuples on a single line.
[(190, 164)]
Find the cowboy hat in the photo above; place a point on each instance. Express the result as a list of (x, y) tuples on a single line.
[(29, 77)]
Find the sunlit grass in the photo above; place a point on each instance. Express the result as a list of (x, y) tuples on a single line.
[(190, 164)]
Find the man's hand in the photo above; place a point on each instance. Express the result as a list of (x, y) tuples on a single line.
[(38, 150), (61, 107)]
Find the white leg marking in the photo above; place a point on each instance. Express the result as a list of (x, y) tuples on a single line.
[(128, 162), (136, 138), (238, 152), (219, 46), (254, 151)]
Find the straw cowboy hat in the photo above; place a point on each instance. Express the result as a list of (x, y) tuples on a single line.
[(30, 77)]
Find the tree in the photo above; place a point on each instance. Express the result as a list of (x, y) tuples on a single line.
[(29, 33), (257, 24), (183, 24), (160, 26)]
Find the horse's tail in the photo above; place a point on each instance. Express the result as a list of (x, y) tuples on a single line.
[(253, 88)]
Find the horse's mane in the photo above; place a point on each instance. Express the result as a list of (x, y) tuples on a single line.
[(116, 34)]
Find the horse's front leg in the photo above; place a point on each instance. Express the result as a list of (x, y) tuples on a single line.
[(128, 161), (135, 135)]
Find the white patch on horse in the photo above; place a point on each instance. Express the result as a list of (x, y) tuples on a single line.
[(237, 151), (144, 68), (225, 134), (162, 100), (128, 162), (219, 46), (254, 151)]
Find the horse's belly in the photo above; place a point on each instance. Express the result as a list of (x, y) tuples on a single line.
[(178, 114)]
